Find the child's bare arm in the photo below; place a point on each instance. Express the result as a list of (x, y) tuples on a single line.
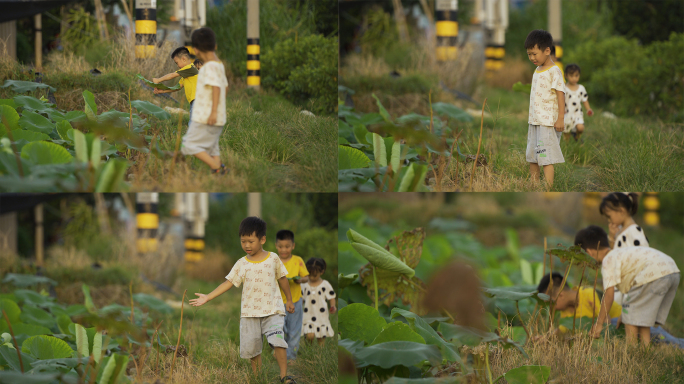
[(202, 299), (333, 308), (285, 286), (168, 76), (603, 317), (156, 91), (589, 110), (559, 125), (216, 94)]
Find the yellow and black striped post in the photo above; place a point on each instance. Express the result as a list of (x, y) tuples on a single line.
[(496, 23), (195, 214), (556, 29), (145, 28), (147, 218), (651, 204), (253, 48), (194, 248), (446, 26), (494, 55)]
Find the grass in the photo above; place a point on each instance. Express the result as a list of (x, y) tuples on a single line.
[(268, 144), (211, 336)]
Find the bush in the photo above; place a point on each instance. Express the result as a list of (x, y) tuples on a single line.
[(319, 242), (413, 83), (303, 69), (634, 79)]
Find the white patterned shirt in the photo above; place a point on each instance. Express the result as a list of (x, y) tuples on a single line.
[(543, 98), (261, 292), (632, 236), (212, 74), (633, 267)]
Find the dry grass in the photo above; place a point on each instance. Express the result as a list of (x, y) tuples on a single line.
[(514, 70), (214, 267), (585, 361)]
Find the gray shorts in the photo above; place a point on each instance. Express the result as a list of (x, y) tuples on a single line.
[(650, 303), (201, 138), (543, 145), (252, 331)]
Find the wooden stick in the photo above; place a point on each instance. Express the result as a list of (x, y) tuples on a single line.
[(21, 362), (574, 314), (521, 320), (180, 331), (477, 156)]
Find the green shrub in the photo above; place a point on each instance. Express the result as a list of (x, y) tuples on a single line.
[(90, 276), (304, 69), (319, 242), (414, 83)]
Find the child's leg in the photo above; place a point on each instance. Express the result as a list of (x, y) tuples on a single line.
[(321, 341), (645, 334), (566, 136), (310, 337), (256, 364), (210, 161), (548, 175), (632, 332), (281, 358), (534, 171), (580, 129)]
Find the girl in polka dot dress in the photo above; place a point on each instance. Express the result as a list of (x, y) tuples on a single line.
[(315, 293), (575, 96), (623, 231)]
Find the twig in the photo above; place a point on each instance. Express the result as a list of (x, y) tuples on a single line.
[(521, 320), (178, 138), (477, 156), (180, 330), (21, 362), (574, 314), (595, 280)]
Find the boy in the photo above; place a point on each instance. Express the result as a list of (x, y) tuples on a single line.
[(262, 311), (547, 106), (297, 274), (188, 73), (209, 115), (575, 95), (647, 277)]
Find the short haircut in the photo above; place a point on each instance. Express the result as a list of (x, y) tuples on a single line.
[(616, 200), (285, 234), (182, 51), (253, 225), (316, 265), (204, 39), (572, 68), (553, 50), (591, 237), (557, 281), (198, 62), (540, 38)]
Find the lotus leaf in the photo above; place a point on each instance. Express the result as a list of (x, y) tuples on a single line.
[(360, 322), (393, 353), (350, 158)]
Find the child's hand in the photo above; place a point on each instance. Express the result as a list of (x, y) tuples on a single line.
[(612, 231), (290, 306), (559, 126), (201, 300), (590, 112), (333, 309), (157, 91), (596, 331), (155, 80), (212, 118)]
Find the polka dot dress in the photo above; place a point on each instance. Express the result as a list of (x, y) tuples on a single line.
[(573, 107), (632, 236), (316, 313)]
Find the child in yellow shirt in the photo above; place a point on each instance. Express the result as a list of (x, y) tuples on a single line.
[(186, 70), (297, 274)]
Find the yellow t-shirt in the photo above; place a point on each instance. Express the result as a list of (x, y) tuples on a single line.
[(560, 66), (295, 267), (588, 305), (189, 83)]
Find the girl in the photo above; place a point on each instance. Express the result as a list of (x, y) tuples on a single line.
[(619, 207), (316, 324), (575, 97)]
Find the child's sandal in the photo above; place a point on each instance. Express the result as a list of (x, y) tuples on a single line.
[(288, 380), (221, 171)]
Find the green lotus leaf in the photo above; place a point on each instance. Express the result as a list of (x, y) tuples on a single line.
[(90, 306), (46, 347), (430, 336), (383, 112), (576, 255), (8, 102), (33, 121), (30, 329), (33, 315), (452, 111), (29, 102), (350, 158), (345, 280), (25, 86), (429, 380), (63, 128), (114, 368), (11, 309), (10, 356), (510, 294), (150, 109), (29, 136), (26, 296), (64, 364), (414, 178), (112, 176), (470, 336), (44, 152), (90, 106), (9, 115), (378, 256), (360, 322), (528, 374), (151, 302), (398, 331), (393, 353), (158, 85)]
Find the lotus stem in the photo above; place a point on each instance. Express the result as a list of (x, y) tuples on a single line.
[(180, 331), (21, 362), (489, 372), (479, 143), (574, 314), (375, 286), (521, 320)]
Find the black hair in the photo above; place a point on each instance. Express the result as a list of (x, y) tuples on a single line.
[(553, 50), (182, 51), (204, 39), (316, 265), (615, 200), (198, 62), (572, 68), (591, 237), (540, 38), (285, 234), (253, 225), (557, 281)]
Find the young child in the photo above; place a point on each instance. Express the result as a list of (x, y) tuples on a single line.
[(547, 106), (188, 73), (209, 115), (623, 231), (316, 319), (263, 313), (575, 95), (647, 277), (198, 64), (296, 274)]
